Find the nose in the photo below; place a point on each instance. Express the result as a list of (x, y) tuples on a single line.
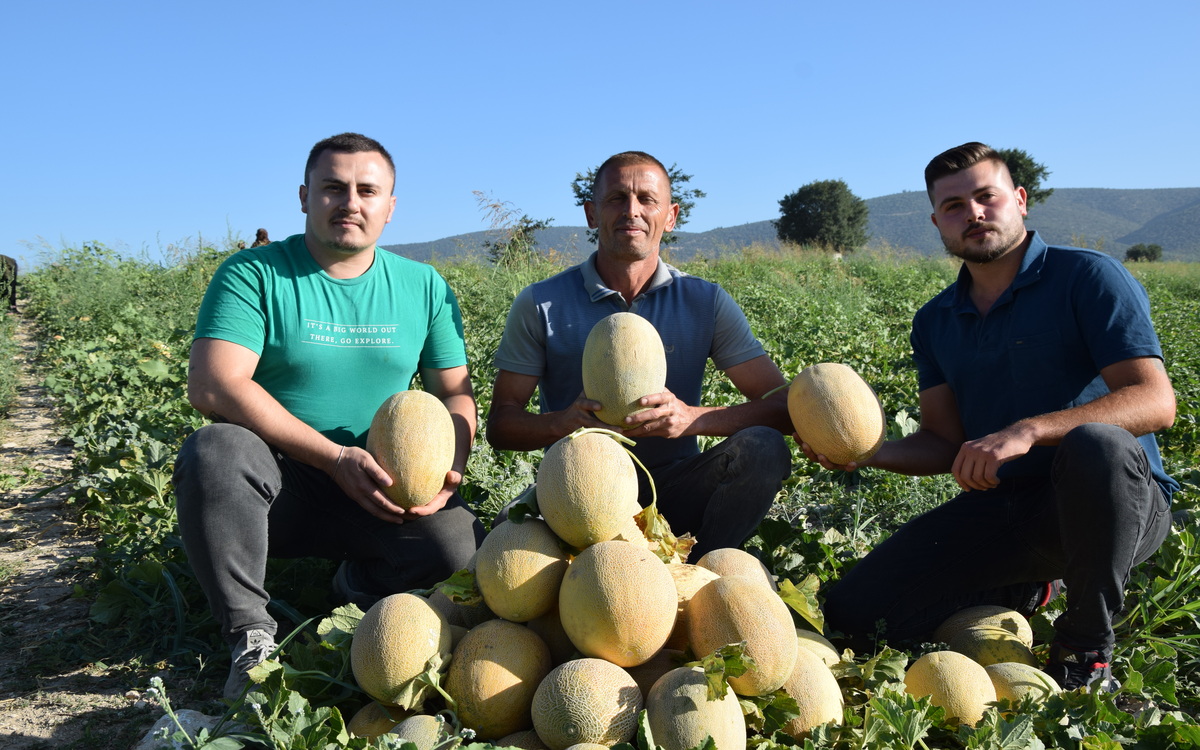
[(976, 210), (350, 201)]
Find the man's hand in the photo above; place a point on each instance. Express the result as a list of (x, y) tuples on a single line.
[(978, 461), (362, 479), (581, 413), (453, 480), (663, 415), (821, 459)]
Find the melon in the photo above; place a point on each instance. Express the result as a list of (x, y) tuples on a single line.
[(819, 645), (985, 614), (587, 489), (519, 569), (688, 580), (1013, 681), (954, 682), (549, 628), (617, 602), (422, 730), (648, 672), (586, 700), (372, 720), (623, 360), (412, 439), (492, 677), (399, 638), (526, 740), (836, 413), (731, 561), (990, 644), (816, 692), (681, 715), (736, 608)]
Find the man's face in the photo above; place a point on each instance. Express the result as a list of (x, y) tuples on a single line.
[(979, 213), (630, 209), (348, 201)]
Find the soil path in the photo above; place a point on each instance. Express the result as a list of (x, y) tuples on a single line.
[(48, 698)]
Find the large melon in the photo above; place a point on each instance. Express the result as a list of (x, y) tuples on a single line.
[(586, 700), (736, 608), (617, 602), (623, 360), (587, 489), (398, 639), (492, 677), (836, 413), (954, 682), (412, 439), (688, 580), (681, 716), (816, 692), (989, 644), (985, 614), (1013, 681), (819, 645), (731, 561), (519, 568)]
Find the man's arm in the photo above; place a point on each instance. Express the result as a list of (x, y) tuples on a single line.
[(452, 386), (667, 416), (510, 426), (1140, 400), (221, 386)]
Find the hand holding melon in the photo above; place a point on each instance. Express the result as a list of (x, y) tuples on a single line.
[(836, 413)]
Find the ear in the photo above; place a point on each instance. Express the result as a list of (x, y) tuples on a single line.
[(391, 210), (1023, 201), (672, 218), (933, 218), (589, 210), (304, 199)]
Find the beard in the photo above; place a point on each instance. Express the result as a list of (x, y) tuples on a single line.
[(994, 245)]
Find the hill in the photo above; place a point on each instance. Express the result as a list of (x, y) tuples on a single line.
[(1106, 219)]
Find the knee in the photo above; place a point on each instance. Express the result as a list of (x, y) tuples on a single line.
[(1098, 437), (762, 450), (217, 452)]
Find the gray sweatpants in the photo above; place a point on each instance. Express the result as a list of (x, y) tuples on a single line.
[(240, 501)]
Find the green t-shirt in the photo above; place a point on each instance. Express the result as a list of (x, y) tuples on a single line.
[(332, 350)]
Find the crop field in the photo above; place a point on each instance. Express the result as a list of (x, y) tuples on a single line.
[(113, 340)]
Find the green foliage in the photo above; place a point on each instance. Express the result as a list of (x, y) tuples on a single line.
[(1142, 251), (1027, 173), (823, 213), (515, 242), (9, 370), (686, 197)]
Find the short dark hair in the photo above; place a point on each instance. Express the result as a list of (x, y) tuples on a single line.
[(956, 160), (625, 159), (348, 143)]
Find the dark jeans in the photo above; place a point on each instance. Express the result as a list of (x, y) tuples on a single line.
[(1096, 516), (240, 502)]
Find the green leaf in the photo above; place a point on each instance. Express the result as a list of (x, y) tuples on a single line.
[(804, 600), (461, 588)]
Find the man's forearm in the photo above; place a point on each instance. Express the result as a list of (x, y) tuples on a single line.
[(723, 421)]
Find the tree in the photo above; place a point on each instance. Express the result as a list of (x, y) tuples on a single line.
[(825, 213), (515, 240), (1142, 251), (685, 197), (1027, 173)]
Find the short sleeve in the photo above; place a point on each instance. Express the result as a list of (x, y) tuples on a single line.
[(733, 341), (233, 308), (523, 346), (444, 345)]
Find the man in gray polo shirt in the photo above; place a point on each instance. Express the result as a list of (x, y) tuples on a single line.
[(719, 495)]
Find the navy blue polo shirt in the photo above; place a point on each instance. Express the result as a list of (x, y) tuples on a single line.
[(1068, 314)]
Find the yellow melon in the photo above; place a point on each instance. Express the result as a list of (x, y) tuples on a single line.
[(492, 677), (586, 700), (819, 645), (985, 614), (681, 716), (816, 692), (688, 580), (623, 360), (1013, 681), (422, 730), (412, 439), (617, 602), (397, 640), (519, 569), (736, 608), (836, 413), (731, 561), (954, 682), (373, 720), (526, 740), (587, 489), (989, 644)]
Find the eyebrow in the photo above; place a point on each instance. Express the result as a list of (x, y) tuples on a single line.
[(976, 191)]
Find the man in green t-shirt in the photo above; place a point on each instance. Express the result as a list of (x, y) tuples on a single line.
[(297, 344)]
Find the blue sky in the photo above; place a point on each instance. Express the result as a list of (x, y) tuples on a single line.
[(146, 124)]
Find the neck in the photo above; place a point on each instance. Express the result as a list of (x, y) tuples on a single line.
[(989, 280), (629, 278), (341, 264)]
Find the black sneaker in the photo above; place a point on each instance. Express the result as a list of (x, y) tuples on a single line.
[(347, 589), (252, 649), (1073, 669), (1043, 594)]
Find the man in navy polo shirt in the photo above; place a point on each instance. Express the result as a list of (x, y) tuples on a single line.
[(720, 495), (1041, 383)]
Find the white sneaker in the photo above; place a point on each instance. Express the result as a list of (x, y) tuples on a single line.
[(252, 649)]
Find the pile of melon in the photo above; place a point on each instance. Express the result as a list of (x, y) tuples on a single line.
[(583, 626)]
